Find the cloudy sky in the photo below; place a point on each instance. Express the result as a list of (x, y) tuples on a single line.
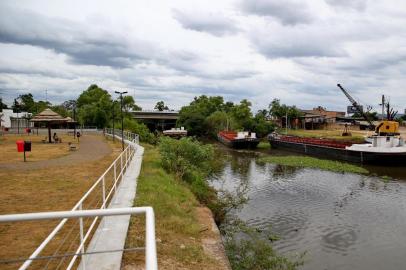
[(293, 50)]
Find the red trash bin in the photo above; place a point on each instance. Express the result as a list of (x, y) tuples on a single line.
[(20, 146)]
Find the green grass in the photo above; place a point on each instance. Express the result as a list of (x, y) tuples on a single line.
[(326, 134), (264, 145), (310, 162), (176, 222)]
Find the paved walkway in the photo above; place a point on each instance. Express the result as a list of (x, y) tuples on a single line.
[(92, 147), (112, 231)]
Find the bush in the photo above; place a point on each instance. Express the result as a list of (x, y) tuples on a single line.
[(140, 129), (185, 157)]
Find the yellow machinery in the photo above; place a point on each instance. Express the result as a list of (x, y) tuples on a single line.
[(387, 128)]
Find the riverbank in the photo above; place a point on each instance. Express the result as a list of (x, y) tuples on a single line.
[(187, 237)]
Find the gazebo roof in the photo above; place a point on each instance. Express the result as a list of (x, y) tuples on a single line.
[(48, 115), (70, 120)]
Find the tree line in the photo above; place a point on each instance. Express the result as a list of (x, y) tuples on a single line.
[(207, 115)]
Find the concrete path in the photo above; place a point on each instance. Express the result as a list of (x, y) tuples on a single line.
[(92, 147), (112, 231)]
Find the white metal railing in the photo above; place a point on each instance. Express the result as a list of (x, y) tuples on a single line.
[(108, 188), (126, 134), (150, 246)]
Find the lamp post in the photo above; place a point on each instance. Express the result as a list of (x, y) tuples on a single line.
[(74, 120), (114, 118), (122, 117)]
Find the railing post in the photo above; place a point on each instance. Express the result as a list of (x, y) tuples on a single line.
[(126, 157), (81, 238), (104, 192), (121, 163), (115, 176)]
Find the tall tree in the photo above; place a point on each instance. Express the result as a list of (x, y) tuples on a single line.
[(27, 102), (94, 106), (278, 110), (160, 106), (129, 104)]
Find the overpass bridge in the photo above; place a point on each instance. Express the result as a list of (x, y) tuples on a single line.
[(157, 120)]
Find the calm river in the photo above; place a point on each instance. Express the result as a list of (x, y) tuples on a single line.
[(341, 221)]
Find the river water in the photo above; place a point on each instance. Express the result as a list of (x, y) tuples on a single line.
[(341, 220)]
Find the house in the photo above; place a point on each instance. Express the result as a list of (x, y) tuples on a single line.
[(330, 116), (319, 117), (10, 119)]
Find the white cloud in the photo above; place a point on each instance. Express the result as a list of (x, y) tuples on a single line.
[(158, 50)]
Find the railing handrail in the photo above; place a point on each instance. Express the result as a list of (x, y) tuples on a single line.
[(150, 243)]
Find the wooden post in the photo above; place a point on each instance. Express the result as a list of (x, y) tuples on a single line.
[(49, 132)]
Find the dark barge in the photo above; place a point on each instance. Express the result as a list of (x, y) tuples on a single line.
[(238, 140), (345, 151)]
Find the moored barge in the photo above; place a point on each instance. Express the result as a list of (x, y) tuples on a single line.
[(238, 139), (383, 150)]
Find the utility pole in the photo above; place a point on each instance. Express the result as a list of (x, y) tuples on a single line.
[(122, 116), (383, 107), (74, 120), (114, 118), (286, 122)]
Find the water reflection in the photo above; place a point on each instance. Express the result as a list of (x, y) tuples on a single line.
[(342, 221), (282, 171)]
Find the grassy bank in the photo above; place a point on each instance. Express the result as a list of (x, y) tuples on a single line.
[(357, 136), (264, 145), (310, 162), (178, 228)]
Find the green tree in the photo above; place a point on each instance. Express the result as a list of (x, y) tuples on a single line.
[(40, 106), (26, 102), (262, 126), (3, 105), (16, 106), (193, 116), (217, 121), (242, 115), (160, 106), (278, 110), (129, 104), (94, 107), (61, 110)]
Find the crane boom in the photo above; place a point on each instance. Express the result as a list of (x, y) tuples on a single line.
[(357, 107)]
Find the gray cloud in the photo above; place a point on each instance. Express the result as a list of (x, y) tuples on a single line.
[(296, 42), (214, 24), (67, 37), (288, 12), (359, 5)]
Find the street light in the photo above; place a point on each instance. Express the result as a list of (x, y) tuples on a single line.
[(114, 118), (122, 117)]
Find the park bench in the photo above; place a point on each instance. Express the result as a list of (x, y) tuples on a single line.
[(72, 147)]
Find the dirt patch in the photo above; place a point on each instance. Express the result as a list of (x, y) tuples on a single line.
[(90, 148)]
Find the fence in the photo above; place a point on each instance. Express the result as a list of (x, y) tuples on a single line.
[(44, 131), (126, 134), (98, 196)]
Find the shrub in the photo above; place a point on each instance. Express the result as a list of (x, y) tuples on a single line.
[(185, 157), (140, 129)]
